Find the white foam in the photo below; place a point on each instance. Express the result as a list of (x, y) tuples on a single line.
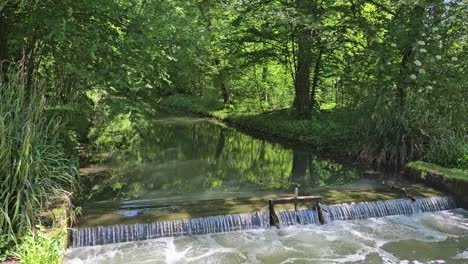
[(338, 242), (463, 255)]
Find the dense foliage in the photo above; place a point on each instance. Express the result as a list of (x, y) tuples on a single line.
[(387, 77)]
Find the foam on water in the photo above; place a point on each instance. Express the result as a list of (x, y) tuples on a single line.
[(390, 239)]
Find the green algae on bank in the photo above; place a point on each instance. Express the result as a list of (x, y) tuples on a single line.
[(452, 181)]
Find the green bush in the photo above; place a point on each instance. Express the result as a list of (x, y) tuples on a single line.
[(33, 164), (42, 247)]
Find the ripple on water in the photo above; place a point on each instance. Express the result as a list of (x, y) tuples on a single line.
[(440, 237)]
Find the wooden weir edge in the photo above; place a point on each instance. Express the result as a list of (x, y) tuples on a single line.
[(274, 221)]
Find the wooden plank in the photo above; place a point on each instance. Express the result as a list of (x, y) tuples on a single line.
[(300, 199)]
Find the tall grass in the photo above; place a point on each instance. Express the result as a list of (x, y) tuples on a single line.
[(33, 165), (392, 138)]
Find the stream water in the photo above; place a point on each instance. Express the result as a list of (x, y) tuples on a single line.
[(438, 237), (179, 168)]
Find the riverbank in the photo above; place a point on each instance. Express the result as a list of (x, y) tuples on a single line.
[(454, 181), (327, 131)]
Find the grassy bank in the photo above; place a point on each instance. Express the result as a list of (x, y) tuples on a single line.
[(384, 140), (452, 174)]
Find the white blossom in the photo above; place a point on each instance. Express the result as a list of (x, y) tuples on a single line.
[(438, 57), (422, 43), (412, 76), (454, 58), (393, 45), (417, 62), (423, 50), (429, 87), (435, 29), (422, 71)]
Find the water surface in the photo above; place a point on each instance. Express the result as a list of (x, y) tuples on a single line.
[(180, 167)]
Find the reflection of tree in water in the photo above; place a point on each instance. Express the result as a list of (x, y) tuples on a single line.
[(310, 171), (180, 156)]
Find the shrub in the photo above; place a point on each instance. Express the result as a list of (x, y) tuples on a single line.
[(41, 247)]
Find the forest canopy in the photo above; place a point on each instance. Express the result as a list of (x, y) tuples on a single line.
[(397, 67)]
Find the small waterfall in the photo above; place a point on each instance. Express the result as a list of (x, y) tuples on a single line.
[(386, 208), (303, 217), (92, 236)]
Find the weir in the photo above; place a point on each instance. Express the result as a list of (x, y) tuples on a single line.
[(92, 236)]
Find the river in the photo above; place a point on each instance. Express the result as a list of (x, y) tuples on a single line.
[(182, 167)]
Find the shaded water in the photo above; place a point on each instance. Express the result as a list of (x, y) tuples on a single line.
[(436, 237), (188, 167)]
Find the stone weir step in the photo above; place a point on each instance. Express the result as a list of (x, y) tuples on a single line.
[(320, 214)]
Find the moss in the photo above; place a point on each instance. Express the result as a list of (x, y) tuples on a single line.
[(425, 167)]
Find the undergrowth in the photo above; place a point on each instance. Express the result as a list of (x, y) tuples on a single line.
[(33, 164)]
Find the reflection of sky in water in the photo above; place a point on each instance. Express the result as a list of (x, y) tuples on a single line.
[(130, 213)]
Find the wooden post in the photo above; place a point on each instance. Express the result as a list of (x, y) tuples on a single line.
[(296, 193), (319, 213), (274, 221)]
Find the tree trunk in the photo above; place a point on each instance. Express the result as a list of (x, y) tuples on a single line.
[(318, 65), (264, 81), (304, 60), (3, 41), (225, 89)]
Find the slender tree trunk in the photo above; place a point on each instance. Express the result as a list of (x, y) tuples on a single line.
[(403, 78), (264, 81), (318, 65), (221, 82), (3, 41)]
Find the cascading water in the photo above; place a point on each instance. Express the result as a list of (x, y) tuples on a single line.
[(385, 208), (93, 236), (303, 217)]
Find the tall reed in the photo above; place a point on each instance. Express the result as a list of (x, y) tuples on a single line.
[(33, 165)]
